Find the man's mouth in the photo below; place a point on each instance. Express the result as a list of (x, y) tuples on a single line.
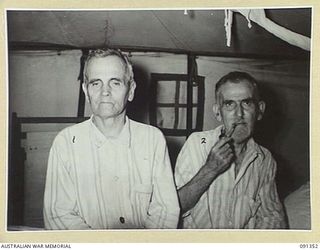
[(238, 123)]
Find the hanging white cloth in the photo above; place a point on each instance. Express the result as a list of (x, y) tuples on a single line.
[(228, 25), (258, 16)]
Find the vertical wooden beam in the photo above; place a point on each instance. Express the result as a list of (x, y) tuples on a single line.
[(200, 106), (191, 59), (81, 102), (82, 99), (15, 173), (176, 105), (153, 100)]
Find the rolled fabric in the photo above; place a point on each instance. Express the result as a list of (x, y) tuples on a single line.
[(258, 16)]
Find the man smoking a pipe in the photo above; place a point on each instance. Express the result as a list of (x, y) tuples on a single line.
[(226, 180)]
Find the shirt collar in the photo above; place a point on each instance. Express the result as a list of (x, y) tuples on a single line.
[(99, 138), (253, 154), (254, 148)]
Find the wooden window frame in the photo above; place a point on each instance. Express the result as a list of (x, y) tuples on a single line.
[(198, 82)]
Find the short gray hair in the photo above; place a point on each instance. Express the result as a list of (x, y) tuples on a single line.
[(236, 77), (101, 53)]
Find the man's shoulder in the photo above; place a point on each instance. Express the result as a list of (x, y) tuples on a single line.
[(78, 128), (139, 128), (264, 155), (263, 150), (206, 136)]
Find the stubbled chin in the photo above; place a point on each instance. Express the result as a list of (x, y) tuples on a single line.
[(240, 134), (105, 104)]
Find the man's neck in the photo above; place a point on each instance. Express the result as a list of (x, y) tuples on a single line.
[(111, 126), (239, 150)]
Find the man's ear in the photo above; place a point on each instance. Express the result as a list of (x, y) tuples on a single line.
[(131, 90), (216, 112), (261, 109), (85, 91)]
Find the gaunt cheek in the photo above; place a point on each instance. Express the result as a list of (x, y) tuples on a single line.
[(94, 94)]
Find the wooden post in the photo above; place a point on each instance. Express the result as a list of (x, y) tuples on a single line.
[(191, 60), (82, 99), (15, 174)]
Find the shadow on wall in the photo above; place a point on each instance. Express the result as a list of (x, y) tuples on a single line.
[(269, 129), (174, 150), (268, 133), (273, 133), (175, 144), (138, 108)]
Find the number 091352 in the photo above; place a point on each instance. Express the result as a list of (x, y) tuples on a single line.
[(309, 245)]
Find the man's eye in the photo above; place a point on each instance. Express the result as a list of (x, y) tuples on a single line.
[(248, 103), (229, 103), (116, 83), (95, 83)]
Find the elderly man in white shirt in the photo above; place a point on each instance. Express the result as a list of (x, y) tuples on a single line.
[(225, 179), (109, 172)]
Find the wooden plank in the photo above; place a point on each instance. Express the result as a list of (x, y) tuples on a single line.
[(191, 62), (37, 147), (51, 119)]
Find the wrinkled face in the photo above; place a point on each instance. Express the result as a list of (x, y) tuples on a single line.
[(107, 88), (237, 105)]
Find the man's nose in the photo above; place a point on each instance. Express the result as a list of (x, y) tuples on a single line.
[(239, 110), (106, 88)]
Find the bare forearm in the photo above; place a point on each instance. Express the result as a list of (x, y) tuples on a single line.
[(191, 192), (218, 160)]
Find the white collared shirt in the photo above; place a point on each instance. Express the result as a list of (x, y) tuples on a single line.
[(248, 200), (94, 182)]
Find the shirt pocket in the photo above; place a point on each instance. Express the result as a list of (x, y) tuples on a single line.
[(141, 197)]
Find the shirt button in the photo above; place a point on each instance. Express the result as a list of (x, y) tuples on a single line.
[(115, 178), (122, 220)]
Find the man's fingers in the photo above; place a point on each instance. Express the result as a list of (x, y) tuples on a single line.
[(221, 153), (222, 142), (226, 161), (221, 158), (230, 156), (226, 147), (227, 151), (230, 132)]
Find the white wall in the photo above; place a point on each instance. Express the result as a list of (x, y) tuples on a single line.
[(43, 83)]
